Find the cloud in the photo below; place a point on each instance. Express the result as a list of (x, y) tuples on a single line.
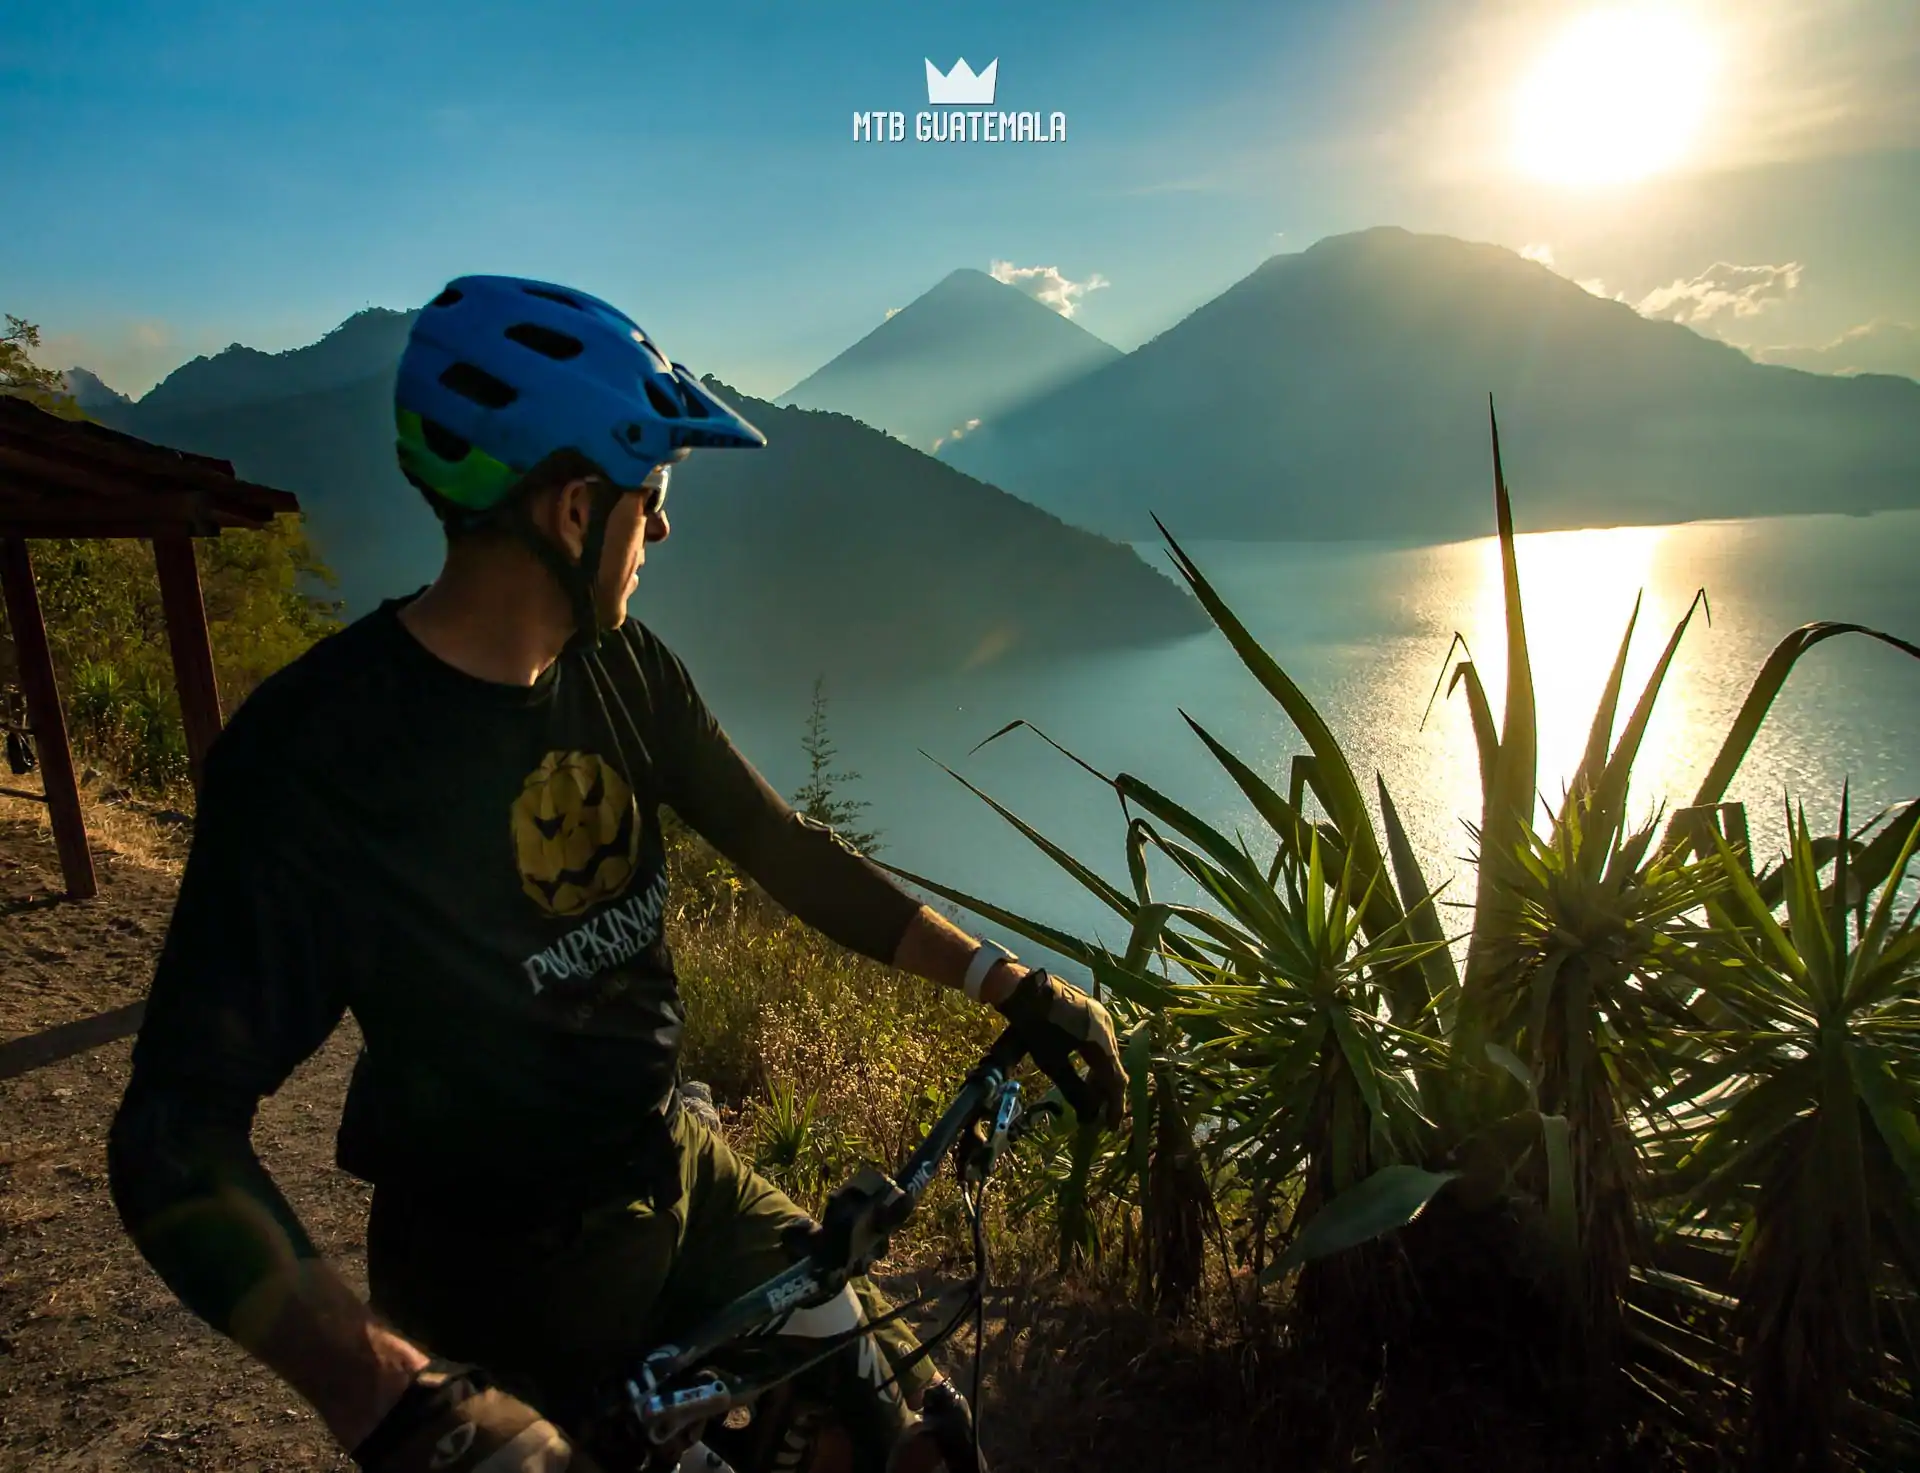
[(1046, 284), (892, 310), (1872, 347), (957, 432), (1722, 289), (1539, 251)]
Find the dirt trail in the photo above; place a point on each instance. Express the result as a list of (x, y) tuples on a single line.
[(100, 1367)]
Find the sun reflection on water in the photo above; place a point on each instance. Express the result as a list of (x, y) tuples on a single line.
[(1577, 590), (1577, 593)]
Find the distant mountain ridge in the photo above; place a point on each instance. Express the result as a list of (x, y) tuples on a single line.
[(836, 550), (969, 348), (368, 342), (1342, 392), (93, 396)]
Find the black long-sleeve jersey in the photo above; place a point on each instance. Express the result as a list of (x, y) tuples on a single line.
[(476, 872)]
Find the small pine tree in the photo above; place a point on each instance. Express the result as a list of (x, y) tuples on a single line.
[(821, 796)]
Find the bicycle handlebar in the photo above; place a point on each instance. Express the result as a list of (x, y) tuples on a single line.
[(980, 1086), (852, 1234)]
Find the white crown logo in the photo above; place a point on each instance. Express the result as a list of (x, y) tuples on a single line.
[(960, 87)]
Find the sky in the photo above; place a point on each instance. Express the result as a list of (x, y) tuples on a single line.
[(186, 175)]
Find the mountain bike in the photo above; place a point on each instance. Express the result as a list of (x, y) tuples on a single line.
[(723, 1402)]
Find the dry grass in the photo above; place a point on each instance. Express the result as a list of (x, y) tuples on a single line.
[(118, 824), (865, 1055)]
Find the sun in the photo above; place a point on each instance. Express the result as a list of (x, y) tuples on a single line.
[(1620, 95)]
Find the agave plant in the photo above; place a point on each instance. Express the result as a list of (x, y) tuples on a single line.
[(99, 694), (1567, 975), (1812, 1072), (1323, 1078), (1309, 1009), (791, 1140), (1281, 990)]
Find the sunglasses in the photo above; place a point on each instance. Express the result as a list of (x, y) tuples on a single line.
[(653, 490)]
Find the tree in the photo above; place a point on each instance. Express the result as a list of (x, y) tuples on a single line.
[(22, 377), (266, 593), (821, 795)]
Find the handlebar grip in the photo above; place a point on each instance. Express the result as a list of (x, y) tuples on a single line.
[(1008, 1050), (1056, 1061)]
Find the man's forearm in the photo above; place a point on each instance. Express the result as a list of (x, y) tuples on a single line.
[(934, 948), (312, 1329), (205, 1214)]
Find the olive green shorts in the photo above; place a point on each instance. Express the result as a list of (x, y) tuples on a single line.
[(553, 1312)]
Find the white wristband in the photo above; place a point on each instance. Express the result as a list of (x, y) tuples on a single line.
[(986, 957)]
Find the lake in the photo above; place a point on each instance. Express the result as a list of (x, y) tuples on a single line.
[(1364, 628)]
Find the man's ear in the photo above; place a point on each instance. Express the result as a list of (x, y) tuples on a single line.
[(563, 511)]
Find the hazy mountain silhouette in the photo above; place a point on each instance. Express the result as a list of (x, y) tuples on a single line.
[(969, 348), (91, 394), (1342, 392), (366, 343), (836, 533), (837, 549)]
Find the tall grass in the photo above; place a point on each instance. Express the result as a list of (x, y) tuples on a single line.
[(820, 1060)]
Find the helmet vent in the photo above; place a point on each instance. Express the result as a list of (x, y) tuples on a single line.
[(696, 408), (561, 297), (668, 406), (473, 382), (447, 298), (545, 340), (443, 442)]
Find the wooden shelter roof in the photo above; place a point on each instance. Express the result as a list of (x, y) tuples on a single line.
[(70, 478)]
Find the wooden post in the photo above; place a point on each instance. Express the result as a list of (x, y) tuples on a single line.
[(44, 716), (193, 673)]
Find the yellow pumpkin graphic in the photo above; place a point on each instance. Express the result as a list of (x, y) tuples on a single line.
[(576, 833)]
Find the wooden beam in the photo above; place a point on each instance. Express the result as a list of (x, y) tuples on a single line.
[(31, 437), (23, 1055), (45, 718), (72, 438), (193, 673), (79, 489), (138, 483)]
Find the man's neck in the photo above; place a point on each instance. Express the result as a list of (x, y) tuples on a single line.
[(493, 617)]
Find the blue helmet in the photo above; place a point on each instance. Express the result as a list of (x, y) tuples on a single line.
[(499, 372)]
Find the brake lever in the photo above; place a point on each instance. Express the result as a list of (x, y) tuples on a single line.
[(1046, 1109), (979, 1152)]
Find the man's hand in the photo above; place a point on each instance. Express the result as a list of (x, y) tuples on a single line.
[(452, 1420), (1058, 1022)]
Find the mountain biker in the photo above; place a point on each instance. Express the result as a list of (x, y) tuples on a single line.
[(444, 819)]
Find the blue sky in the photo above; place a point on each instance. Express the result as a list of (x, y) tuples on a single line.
[(185, 175)]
